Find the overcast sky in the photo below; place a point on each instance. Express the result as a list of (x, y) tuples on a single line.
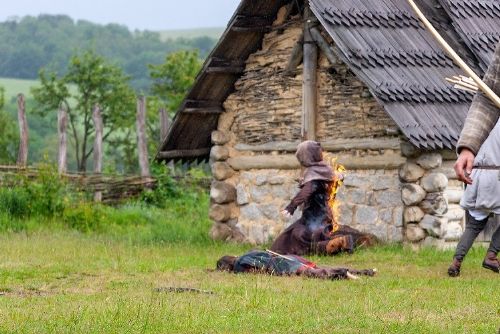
[(136, 14)]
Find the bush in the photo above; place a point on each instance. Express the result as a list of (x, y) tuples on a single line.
[(15, 202)]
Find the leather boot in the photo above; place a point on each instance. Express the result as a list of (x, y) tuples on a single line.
[(454, 268), (491, 262), (342, 243)]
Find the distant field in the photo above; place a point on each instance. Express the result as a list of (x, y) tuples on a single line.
[(16, 86), (192, 33)]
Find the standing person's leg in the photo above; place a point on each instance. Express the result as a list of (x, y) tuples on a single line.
[(475, 223), (491, 261)]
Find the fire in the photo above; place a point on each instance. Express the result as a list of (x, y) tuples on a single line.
[(337, 182)]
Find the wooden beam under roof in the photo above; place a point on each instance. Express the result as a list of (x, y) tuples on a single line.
[(243, 23), (178, 154)]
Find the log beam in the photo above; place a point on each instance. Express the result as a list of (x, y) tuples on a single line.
[(179, 154), (324, 45), (328, 145), (388, 160), (309, 81), (203, 111)]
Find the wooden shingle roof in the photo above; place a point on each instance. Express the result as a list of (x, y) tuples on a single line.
[(384, 45)]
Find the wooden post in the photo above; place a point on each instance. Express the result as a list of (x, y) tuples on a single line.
[(164, 124), (22, 157), (62, 123), (309, 81), (142, 146), (98, 125)]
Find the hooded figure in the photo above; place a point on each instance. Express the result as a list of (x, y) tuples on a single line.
[(312, 233)]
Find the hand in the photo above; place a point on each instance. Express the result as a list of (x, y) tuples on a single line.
[(286, 214), (463, 165)]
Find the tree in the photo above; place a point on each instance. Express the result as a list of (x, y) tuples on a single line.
[(174, 78), (89, 80), (7, 133)]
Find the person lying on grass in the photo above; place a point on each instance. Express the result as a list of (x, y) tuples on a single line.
[(272, 263), (313, 233)]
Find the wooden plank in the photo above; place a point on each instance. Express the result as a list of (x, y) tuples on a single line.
[(62, 124), (334, 145), (164, 124), (22, 157), (226, 69), (295, 57), (208, 110), (142, 145), (190, 103), (99, 128), (177, 154), (388, 160), (309, 82)]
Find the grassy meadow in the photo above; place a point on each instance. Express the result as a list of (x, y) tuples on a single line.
[(68, 265), (68, 282)]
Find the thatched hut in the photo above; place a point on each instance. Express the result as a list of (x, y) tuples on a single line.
[(366, 80)]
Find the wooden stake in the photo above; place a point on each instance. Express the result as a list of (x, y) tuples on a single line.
[(62, 123), (309, 83), (22, 158), (486, 90), (97, 118), (142, 146)]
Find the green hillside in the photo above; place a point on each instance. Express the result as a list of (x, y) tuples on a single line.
[(16, 86), (192, 33)]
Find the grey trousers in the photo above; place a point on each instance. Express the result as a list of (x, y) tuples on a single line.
[(472, 229)]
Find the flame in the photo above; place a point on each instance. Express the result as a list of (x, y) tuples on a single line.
[(337, 182)]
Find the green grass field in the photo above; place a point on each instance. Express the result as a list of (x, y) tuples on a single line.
[(67, 282), (214, 32)]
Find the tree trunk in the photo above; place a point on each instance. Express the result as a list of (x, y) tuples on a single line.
[(142, 146), (62, 123), (96, 117), (22, 158)]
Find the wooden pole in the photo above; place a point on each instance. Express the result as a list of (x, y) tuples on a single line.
[(62, 123), (164, 124), (309, 83), (97, 118), (22, 158), (486, 90), (142, 146)]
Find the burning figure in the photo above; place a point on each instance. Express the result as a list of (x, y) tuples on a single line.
[(317, 231)]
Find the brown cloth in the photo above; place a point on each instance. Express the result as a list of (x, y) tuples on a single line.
[(312, 232), (310, 155), (483, 113)]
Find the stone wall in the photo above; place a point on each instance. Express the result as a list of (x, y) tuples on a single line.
[(431, 193), (370, 200)]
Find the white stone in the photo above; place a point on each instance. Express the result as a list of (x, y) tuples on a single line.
[(397, 217), (455, 212), (251, 212), (388, 198), (394, 234), (453, 231), (412, 194), (410, 172), (260, 179), (434, 204), (384, 182), (433, 242), (366, 215), (433, 225), (356, 196), (242, 195), (414, 233), (413, 214), (430, 160), (453, 195), (434, 182)]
